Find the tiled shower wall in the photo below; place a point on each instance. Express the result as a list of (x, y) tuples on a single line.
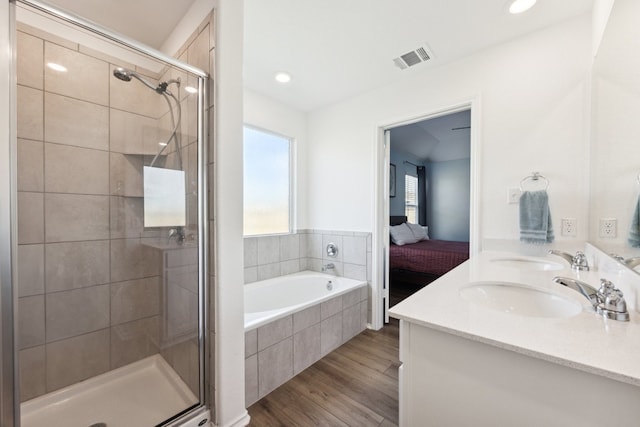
[(89, 290), (266, 257)]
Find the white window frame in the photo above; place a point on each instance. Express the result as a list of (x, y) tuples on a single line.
[(292, 179), (406, 204)]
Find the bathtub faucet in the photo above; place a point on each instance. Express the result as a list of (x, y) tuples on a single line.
[(329, 266)]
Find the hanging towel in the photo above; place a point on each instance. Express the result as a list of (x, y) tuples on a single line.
[(634, 233), (535, 218)]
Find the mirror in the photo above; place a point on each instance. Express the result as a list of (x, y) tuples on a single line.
[(615, 164)]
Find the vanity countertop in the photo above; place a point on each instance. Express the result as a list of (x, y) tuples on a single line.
[(586, 341)]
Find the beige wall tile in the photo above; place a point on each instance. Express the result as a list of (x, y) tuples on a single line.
[(77, 359), (133, 341), (127, 217), (30, 165), (305, 318), (41, 34), (250, 343), (135, 299), (274, 332), (351, 324), (75, 170), (30, 321), (73, 122), (87, 78), (30, 217), (135, 97), (32, 373), (331, 333), (76, 312), (306, 348), (181, 312), (126, 175), (185, 277), (30, 113), (331, 307), (71, 217), (76, 265), (29, 55), (130, 259), (30, 270), (251, 380), (132, 133), (274, 366), (199, 51)]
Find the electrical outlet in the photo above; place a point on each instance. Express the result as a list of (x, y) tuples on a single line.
[(513, 195), (608, 227), (569, 227)]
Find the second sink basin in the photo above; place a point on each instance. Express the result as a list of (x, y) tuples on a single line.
[(528, 263), (519, 299)]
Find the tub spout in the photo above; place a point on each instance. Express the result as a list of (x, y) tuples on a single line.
[(328, 267)]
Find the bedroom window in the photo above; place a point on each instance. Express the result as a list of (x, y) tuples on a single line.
[(411, 198), (267, 183)]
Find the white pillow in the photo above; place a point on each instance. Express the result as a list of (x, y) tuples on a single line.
[(420, 232), (402, 235)]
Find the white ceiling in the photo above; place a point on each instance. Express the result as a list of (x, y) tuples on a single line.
[(147, 21), (439, 139), (336, 49)]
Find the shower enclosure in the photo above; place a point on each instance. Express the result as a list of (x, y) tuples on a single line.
[(108, 288)]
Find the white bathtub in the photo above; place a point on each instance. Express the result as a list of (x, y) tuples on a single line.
[(272, 299)]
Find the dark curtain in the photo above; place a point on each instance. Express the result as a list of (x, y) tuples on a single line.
[(422, 195)]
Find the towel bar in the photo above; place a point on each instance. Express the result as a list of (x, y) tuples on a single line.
[(535, 176)]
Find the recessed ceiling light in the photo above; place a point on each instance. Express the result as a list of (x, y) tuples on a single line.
[(191, 89), (519, 6), (162, 144), (56, 67), (283, 77)]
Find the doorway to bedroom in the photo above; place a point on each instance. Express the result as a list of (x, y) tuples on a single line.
[(428, 212)]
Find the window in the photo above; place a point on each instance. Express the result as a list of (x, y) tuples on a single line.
[(411, 198), (267, 183)]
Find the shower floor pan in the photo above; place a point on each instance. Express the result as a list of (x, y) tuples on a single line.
[(144, 393)]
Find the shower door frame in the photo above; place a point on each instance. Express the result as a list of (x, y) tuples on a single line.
[(9, 376)]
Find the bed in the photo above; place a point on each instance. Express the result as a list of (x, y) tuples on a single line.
[(428, 257)]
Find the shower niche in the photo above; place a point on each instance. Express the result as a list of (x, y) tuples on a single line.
[(111, 168)]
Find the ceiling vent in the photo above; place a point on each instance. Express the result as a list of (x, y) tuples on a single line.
[(412, 58)]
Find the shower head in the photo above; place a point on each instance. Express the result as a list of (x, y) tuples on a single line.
[(123, 74), (126, 75)]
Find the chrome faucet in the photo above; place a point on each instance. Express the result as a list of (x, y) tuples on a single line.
[(577, 261), (178, 233), (329, 266), (632, 262), (585, 289), (608, 301)]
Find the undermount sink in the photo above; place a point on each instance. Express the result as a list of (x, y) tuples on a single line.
[(528, 263), (519, 299)]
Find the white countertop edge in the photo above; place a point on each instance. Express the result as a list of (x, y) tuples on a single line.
[(524, 351)]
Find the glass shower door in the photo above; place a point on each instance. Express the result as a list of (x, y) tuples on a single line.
[(110, 278)]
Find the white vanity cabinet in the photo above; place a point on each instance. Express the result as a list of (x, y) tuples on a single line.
[(468, 364), (451, 381)]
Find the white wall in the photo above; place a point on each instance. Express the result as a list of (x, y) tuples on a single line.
[(533, 97), (229, 333), (263, 112)]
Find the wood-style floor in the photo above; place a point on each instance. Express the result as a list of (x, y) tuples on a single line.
[(355, 385)]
